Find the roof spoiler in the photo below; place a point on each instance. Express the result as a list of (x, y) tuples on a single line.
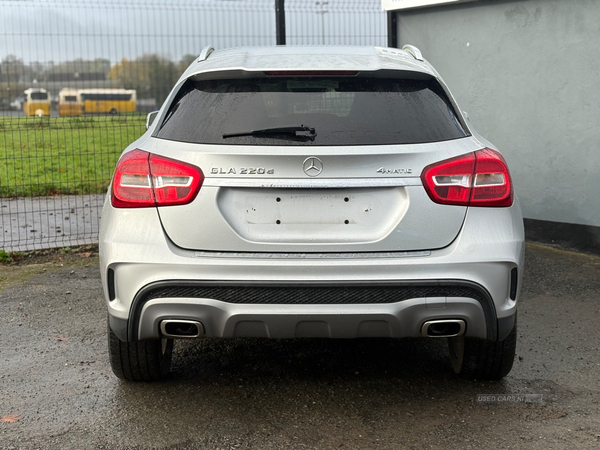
[(205, 53), (414, 51)]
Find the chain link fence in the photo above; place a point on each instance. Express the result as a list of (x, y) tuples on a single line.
[(77, 79)]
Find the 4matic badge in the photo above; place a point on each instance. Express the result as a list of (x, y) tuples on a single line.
[(385, 171)]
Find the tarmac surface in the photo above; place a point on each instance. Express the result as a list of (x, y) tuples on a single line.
[(57, 390), (47, 222)]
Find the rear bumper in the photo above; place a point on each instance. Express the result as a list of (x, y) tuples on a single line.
[(352, 310), (489, 246), (392, 320)]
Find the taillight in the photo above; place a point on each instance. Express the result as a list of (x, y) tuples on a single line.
[(475, 179), (143, 179)]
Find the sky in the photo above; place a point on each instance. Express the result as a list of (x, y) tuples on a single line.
[(61, 30)]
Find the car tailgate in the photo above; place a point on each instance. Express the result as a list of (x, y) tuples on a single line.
[(322, 199)]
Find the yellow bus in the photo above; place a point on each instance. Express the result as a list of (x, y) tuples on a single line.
[(37, 102), (69, 103), (107, 101)]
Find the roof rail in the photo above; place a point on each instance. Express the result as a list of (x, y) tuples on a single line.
[(414, 51), (205, 53)]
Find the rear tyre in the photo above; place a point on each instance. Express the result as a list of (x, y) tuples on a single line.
[(482, 359), (148, 360)]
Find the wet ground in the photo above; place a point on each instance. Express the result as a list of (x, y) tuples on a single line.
[(57, 389), (46, 222)]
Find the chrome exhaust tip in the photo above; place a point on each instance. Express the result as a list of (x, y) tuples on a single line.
[(443, 328), (181, 329)]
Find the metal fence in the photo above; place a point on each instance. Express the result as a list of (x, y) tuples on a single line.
[(55, 169)]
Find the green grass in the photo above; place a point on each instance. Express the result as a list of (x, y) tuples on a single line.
[(8, 257), (66, 155), (5, 257)]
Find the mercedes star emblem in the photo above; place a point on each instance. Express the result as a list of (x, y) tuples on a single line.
[(312, 166)]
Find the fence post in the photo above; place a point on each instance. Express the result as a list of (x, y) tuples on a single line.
[(392, 29), (280, 21)]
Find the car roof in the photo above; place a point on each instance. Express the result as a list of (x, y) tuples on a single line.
[(326, 58)]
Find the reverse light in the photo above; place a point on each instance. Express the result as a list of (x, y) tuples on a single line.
[(144, 180), (475, 179)]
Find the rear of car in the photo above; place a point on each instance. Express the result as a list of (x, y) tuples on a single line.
[(311, 192)]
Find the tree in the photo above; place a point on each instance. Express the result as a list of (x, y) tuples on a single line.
[(11, 68), (184, 63), (152, 76), (127, 72), (98, 65)]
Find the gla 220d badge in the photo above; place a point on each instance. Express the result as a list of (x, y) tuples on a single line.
[(312, 167), (241, 171)]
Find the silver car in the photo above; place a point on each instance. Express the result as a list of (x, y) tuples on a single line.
[(310, 192)]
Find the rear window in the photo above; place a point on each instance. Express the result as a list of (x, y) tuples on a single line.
[(105, 97), (342, 111), (39, 96)]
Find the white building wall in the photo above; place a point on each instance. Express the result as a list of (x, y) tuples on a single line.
[(528, 74)]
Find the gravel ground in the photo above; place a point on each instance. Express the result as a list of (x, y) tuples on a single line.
[(57, 389)]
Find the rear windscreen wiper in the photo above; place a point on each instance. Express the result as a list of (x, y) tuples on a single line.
[(277, 130)]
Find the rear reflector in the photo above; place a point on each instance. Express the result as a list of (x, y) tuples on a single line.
[(143, 180), (475, 179)]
